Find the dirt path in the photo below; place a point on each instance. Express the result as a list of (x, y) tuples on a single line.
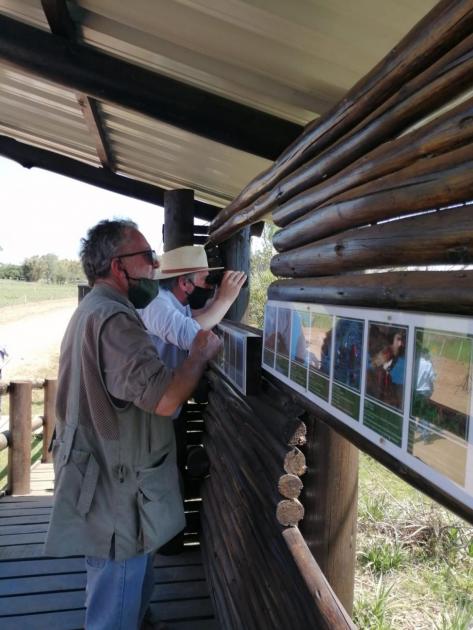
[(32, 334)]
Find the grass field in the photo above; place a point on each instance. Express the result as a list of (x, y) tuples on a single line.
[(414, 558), (17, 292)]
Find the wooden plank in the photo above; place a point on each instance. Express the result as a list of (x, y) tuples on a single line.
[(182, 559), (50, 566), (18, 528), (178, 574), (172, 611), (21, 551), (42, 584), (24, 520), (41, 566), (203, 624), (67, 620), (169, 597), (38, 511), (165, 589), (9, 540), (28, 498), (47, 602)]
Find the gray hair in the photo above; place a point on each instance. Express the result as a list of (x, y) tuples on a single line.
[(103, 242), (171, 283)]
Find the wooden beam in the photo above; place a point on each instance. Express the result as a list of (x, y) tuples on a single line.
[(178, 225), (80, 68), (30, 157), (444, 238), (431, 291), (61, 23)]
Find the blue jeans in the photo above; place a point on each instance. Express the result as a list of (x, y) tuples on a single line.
[(118, 593)]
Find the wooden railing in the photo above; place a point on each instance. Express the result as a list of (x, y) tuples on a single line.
[(17, 438)]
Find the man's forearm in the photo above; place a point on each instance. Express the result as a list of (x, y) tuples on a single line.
[(181, 386), (210, 316)]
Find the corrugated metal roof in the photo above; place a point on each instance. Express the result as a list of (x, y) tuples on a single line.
[(291, 59)]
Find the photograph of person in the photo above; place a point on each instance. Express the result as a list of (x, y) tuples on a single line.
[(239, 360), (320, 342), (269, 345), (440, 401), (283, 340), (348, 351), (299, 347), (386, 364)]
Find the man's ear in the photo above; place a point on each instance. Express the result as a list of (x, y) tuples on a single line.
[(182, 283), (116, 268)]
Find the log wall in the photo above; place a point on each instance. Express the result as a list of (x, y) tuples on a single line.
[(262, 576)]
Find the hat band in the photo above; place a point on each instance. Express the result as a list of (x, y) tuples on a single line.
[(184, 269)]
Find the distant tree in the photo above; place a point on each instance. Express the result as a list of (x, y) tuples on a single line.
[(34, 268), (11, 272), (50, 268), (260, 274)]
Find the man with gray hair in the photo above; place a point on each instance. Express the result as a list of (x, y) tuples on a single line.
[(117, 494)]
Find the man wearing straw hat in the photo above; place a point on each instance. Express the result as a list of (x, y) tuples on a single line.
[(176, 315)]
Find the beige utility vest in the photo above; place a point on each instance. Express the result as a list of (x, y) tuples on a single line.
[(115, 464)]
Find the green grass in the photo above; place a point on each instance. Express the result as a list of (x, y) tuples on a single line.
[(18, 292), (415, 558)]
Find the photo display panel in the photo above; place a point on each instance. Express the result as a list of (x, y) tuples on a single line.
[(238, 357), (402, 380)]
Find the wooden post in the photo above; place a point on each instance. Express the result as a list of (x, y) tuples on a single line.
[(49, 417), (19, 455), (178, 229), (330, 500), (236, 254)]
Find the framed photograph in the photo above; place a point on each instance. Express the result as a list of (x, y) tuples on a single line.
[(402, 380)]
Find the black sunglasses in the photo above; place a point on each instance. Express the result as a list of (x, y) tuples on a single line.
[(149, 254)]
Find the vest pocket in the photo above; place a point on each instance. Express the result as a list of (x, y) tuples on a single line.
[(160, 510), (78, 479)]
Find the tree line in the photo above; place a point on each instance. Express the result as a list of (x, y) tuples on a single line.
[(48, 268)]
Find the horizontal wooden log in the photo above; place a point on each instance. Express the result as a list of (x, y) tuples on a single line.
[(409, 475), (433, 291), (289, 512), (294, 462), (428, 184), (444, 237), (450, 130), (439, 31), (290, 486), (423, 95), (334, 616)]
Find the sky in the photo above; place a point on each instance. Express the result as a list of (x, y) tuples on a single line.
[(44, 213)]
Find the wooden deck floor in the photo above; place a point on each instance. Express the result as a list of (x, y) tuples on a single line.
[(38, 593)]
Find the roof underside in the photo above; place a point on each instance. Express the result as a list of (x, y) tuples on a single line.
[(269, 66)]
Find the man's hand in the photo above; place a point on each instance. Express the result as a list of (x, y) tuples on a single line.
[(205, 346), (230, 286)]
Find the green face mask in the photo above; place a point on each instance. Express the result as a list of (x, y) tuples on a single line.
[(142, 291)]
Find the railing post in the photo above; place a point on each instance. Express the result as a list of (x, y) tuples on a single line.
[(19, 454), (49, 417)]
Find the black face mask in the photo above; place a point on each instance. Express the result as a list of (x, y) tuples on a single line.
[(199, 297), (142, 291)]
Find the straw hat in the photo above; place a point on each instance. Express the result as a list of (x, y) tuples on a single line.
[(183, 260)]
